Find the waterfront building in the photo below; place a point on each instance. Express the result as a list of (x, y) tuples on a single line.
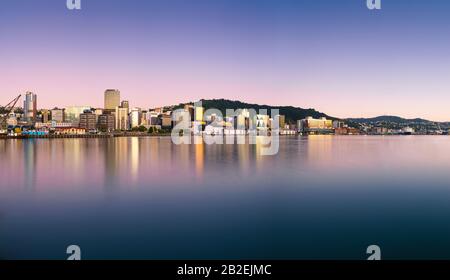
[(408, 130), (154, 118), (122, 118), (88, 121), (30, 107), (166, 121), (112, 99), (106, 122), (43, 125), (70, 130), (135, 117), (11, 120), (58, 115), (315, 126), (55, 125), (338, 124), (145, 117), (379, 130)]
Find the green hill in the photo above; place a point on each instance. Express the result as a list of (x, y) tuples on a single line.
[(291, 113)]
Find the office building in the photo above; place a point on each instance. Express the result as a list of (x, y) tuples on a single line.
[(315, 126), (166, 121), (122, 118), (106, 122), (154, 119), (112, 99), (30, 107), (135, 117), (88, 121)]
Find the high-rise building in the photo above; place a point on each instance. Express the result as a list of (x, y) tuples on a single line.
[(30, 107), (135, 117), (112, 99), (88, 121), (122, 118), (106, 122), (145, 117), (58, 115)]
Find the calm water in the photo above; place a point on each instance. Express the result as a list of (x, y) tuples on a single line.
[(145, 198)]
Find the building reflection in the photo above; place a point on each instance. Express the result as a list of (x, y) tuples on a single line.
[(110, 181), (320, 150), (134, 159), (199, 157), (30, 163)]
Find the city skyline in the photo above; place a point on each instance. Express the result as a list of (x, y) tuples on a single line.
[(103, 107), (338, 58)]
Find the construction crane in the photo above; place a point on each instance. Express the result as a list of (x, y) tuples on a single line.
[(8, 108)]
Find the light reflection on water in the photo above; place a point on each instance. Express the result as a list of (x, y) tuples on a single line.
[(145, 198)]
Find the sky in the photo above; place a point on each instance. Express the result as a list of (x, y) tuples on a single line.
[(336, 56)]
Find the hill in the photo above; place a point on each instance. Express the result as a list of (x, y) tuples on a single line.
[(390, 119), (291, 113)]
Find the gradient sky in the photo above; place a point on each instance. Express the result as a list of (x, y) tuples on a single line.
[(335, 56)]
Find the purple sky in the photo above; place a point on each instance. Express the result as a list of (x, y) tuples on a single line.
[(335, 56)]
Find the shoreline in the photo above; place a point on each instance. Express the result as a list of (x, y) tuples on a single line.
[(105, 136)]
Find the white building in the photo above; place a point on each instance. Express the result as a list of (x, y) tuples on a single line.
[(135, 117), (122, 119), (30, 107)]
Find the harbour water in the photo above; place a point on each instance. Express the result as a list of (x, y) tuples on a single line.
[(320, 197)]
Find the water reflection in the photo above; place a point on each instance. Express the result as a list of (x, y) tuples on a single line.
[(224, 201), (199, 158), (29, 152), (118, 163)]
